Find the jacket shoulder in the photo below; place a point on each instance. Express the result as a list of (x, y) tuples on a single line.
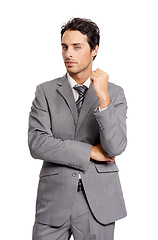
[(51, 83), (113, 87), (115, 91)]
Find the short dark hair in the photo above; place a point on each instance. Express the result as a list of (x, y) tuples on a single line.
[(86, 27)]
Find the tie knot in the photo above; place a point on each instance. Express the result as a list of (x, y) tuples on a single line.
[(80, 89)]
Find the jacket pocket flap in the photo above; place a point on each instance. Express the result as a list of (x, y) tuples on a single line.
[(106, 167), (50, 169)]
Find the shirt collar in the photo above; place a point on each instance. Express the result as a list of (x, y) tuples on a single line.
[(74, 83)]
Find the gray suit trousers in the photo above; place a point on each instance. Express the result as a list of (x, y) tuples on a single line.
[(81, 224)]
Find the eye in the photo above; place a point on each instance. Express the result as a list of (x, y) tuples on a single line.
[(78, 47), (64, 47)]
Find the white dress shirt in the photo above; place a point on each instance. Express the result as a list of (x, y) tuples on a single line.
[(74, 83)]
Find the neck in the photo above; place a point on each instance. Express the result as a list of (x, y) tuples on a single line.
[(81, 77)]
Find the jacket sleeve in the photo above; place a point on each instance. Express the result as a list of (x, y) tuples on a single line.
[(112, 125), (43, 145)]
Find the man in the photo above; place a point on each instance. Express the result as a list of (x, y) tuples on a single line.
[(77, 126)]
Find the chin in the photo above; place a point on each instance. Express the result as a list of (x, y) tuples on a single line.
[(71, 71)]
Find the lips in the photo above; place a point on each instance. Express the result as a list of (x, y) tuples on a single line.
[(70, 62)]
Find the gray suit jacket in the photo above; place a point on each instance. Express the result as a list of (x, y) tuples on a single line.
[(64, 142)]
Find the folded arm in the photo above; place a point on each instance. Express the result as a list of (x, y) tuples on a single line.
[(43, 145)]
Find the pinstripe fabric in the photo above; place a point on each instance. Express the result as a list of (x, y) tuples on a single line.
[(64, 142), (81, 225), (81, 91)]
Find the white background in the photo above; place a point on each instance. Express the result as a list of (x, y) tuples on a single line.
[(30, 53)]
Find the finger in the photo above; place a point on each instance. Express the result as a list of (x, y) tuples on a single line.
[(111, 158), (93, 77), (94, 74), (99, 70), (111, 161)]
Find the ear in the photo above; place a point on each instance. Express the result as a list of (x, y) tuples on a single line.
[(95, 51)]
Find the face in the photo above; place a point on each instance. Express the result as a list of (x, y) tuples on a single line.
[(76, 53)]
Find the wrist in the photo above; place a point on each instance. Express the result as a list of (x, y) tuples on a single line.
[(104, 102), (93, 152)]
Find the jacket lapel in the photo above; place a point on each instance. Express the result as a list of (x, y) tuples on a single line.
[(89, 101), (65, 90)]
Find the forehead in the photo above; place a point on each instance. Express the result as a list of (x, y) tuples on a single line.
[(74, 36)]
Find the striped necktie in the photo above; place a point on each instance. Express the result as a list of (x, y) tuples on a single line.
[(81, 91)]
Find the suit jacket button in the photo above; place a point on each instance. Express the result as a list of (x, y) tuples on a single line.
[(74, 174)]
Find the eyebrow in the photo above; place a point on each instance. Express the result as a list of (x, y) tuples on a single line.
[(74, 44)]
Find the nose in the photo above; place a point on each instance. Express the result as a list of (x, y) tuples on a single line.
[(68, 53)]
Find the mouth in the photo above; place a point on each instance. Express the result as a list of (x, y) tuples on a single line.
[(70, 63)]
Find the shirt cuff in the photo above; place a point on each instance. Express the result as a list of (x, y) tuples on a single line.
[(99, 110)]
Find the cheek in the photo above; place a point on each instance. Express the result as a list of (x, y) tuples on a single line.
[(86, 59)]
